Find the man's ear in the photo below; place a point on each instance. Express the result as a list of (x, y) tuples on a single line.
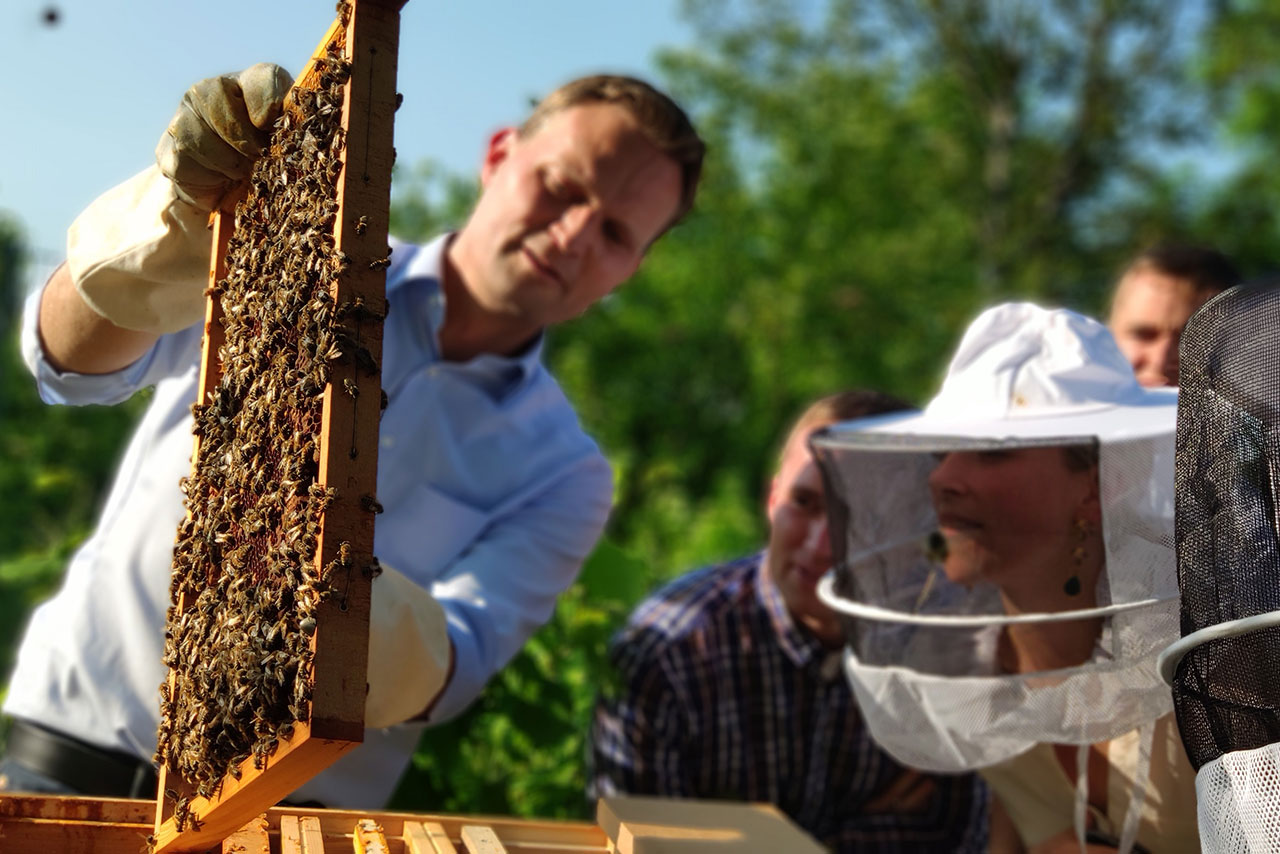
[(498, 150), (771, 497)]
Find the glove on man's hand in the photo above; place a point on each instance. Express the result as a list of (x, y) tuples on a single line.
[(220, 129), (139, 254), (409, 650)]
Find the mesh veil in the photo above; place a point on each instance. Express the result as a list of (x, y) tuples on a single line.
[(1226, 688), (923, 663), (1227, 691)]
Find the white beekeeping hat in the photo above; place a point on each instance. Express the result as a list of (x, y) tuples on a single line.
[(949, 542)]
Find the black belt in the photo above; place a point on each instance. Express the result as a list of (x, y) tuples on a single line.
[(80, 766)]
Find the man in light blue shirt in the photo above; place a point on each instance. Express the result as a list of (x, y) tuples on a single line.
[(493, 494)]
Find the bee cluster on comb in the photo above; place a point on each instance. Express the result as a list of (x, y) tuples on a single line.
[(246, 579)]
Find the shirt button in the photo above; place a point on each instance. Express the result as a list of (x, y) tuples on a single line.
[(388, 441)]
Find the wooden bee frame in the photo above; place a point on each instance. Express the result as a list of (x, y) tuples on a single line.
[(366, 35), (625, 826)]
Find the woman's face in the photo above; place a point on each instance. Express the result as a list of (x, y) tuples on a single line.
[(1011, 516)]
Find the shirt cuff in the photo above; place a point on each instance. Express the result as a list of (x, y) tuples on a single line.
[(75, 389)]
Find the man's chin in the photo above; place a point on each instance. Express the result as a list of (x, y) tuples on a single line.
[(802, 589)]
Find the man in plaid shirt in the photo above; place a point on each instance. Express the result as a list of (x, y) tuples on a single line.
[(730, 686)]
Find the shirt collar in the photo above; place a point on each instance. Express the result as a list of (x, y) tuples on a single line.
[(800, 646), (498, 375)]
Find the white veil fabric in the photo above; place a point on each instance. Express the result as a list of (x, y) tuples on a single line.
[(924, 650)]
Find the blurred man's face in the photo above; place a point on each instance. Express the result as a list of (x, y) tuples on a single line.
[(799, 551), (1147, 317), (566, 214)]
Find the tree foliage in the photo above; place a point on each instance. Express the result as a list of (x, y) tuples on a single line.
[(1242, 211)]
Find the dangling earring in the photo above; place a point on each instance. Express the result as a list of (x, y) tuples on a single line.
[(1072, 585)]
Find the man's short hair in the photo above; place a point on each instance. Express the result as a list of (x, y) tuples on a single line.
[(1206, 269), (659, 117), (842, 406)]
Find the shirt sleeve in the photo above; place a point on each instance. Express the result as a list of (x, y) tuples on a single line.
[(504, 586), (170, 355), (637, 738)]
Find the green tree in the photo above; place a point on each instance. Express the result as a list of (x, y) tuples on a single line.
[(427, 199), (1240, 212)]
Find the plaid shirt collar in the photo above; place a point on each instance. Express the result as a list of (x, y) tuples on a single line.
[(800, 646)]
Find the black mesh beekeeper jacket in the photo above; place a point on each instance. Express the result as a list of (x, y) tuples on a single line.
[(1227, 691)]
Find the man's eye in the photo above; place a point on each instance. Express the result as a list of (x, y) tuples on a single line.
[(555, 185), (1145, 335), (806, 501)]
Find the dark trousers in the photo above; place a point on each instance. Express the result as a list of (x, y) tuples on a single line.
[(38, 759)]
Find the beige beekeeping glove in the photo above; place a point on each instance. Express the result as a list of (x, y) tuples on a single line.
[(409, 650), (139, 254)]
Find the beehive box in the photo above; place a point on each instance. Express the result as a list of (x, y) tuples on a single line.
[(627, 826), (123, 826), (267, 635)]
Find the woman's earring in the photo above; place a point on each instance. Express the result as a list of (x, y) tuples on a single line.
[(1072, 585)]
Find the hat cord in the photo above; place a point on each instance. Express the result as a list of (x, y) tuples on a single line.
[(1137, 790)]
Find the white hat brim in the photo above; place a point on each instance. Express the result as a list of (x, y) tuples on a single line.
[(1153, 413)]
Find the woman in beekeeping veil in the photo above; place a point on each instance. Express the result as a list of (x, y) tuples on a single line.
[(1005, 561)]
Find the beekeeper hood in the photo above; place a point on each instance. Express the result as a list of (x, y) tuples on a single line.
[(1032, 497), (1226, 671)]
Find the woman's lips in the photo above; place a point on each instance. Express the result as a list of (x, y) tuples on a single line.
[(950, 522)]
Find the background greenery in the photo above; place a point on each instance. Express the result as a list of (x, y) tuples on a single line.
[(879, 171)]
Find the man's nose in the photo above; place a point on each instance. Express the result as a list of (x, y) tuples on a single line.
[(573, 229), (818, 541), (1169, 360), (1157, 364)]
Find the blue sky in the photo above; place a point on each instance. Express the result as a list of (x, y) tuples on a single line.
[(85, 101)]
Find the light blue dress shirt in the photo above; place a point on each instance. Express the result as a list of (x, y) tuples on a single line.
[(493, 494)]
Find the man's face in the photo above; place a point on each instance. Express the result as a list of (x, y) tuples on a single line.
[(566, 214), (1147, 318), (799, 546)]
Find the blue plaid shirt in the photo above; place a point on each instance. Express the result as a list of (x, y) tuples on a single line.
[(720, 695)]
